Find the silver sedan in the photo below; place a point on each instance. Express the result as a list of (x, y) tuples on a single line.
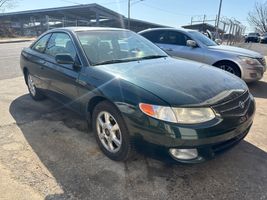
[(193, 45)]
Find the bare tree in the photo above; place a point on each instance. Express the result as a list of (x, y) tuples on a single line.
[(6, 4), (258, 17), (5, 29)]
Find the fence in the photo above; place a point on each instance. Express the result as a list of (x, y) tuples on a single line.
[(230, 31)]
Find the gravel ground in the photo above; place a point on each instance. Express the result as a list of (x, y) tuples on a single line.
[(46, 152)]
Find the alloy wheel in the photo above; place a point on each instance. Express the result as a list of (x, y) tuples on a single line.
[(228, 69), (109, 132), (31, 85)]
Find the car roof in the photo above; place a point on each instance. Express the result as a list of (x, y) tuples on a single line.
[(83, 28), (170, 29)]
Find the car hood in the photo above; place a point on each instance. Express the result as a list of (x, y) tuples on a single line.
[(236, 50), (179, 82)]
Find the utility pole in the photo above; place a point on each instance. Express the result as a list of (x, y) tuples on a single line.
[(129, 11), (129, 14), (218, 19), (203, 23)]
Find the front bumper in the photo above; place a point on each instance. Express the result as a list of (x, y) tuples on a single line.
[(250, 74), (209, 138)]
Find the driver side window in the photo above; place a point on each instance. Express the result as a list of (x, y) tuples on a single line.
[(60, 43), (177, 38)]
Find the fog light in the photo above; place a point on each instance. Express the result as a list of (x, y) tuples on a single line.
[(184, 154)]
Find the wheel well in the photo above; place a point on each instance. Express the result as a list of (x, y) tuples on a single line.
[(93, 102), (25, 72), (218, 63), (91, 105)]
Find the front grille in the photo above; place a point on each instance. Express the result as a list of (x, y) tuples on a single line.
[(235, 107), (262, 61)]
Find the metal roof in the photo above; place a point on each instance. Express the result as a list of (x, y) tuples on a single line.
[(83, 11), (85, 15)]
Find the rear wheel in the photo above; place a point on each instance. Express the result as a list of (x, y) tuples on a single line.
[(35, 93), (111, 132), (229, 67)]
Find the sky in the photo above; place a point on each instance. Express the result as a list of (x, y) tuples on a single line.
[(173, 13)]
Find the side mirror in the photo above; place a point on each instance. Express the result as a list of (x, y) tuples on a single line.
[(64, 59), (191, 43), (218, 41)]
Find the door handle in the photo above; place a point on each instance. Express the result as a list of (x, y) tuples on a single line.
[(169, 49), (81, 82), (42, 62)]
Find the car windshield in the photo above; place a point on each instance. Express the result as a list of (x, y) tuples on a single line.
[(202, 38), (114, 46)]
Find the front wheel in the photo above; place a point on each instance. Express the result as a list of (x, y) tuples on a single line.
[(35, 93), (230, 67), (111, 132)]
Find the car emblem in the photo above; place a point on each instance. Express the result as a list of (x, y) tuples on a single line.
[(241, 104)]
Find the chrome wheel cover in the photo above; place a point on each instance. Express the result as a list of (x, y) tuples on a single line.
[(31, 85), (108, 132)]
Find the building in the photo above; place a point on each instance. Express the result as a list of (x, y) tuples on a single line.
[(35, 22)]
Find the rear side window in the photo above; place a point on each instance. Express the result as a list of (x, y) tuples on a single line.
[(40, 45), (60, 43), (157, 36)]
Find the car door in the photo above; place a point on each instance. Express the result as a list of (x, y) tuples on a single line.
[(62, 78), (35, 61), (174, 43)]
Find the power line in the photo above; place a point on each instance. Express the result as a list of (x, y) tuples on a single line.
[(73, 2), (163, 10), (114, 2)]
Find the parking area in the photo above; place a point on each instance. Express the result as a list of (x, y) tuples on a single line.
[(47, 152)]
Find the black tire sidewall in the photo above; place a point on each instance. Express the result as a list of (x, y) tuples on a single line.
[(125, 150)]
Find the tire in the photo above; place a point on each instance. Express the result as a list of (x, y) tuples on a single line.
[(34, 92), (105, 118), (229, 67)]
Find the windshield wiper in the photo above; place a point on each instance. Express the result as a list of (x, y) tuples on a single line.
[(152, 57), (113, 61), (130, 59)]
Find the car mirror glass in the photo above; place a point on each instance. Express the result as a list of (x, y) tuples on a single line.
[(191, 43), (64, 59)]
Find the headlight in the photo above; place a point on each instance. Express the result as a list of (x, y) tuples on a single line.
[(193, 115), (178, 115), (160, 112), (249, 61)]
